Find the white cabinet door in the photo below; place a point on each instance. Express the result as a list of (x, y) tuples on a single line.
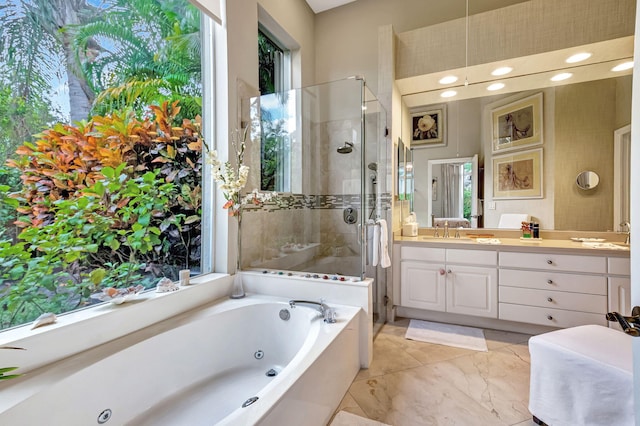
[(472, 291), (423, 285), (619, 297)]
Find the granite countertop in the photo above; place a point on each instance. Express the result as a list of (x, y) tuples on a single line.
[(597, 243)]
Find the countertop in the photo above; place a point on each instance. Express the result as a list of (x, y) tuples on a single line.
[(550, 242)]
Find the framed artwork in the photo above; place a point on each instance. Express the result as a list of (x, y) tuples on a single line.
[(518, 124), (518, 175), (428, 127)]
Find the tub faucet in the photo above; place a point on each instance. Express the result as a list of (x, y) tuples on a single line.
[(329, 314)]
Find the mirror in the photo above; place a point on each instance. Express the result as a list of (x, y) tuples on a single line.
[(452, 196), (587, 180), (572, 142), (578, 115)]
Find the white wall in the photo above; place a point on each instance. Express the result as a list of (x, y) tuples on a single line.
[(290, 19)]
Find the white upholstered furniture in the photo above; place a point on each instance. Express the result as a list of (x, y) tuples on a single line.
[(582, 376)]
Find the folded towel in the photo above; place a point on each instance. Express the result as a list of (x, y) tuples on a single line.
[(385, 260)]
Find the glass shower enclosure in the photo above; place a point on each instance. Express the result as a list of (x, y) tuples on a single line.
[(323, 149)]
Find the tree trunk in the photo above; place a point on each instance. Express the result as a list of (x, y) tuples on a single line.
[(80, 95)]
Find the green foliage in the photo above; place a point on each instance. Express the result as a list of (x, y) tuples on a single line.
[(4, 376), (111, 202), (9, 182), (154, 45)]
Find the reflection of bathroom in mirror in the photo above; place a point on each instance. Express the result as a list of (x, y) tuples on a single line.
[(452, 197), (580, 115)]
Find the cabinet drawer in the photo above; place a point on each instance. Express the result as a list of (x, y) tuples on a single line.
[(426, 254), (554, 262), (619, 265), (557, 281), (593, 303), (548, 316), (472, 257)]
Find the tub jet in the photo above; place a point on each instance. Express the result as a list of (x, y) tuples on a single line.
[(271, 373), (249, 401)]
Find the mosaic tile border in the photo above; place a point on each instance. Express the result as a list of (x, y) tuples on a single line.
[(314, 202)]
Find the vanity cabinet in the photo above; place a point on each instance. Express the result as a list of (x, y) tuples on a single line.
[(557, 290), (449, 280), (619, 287)]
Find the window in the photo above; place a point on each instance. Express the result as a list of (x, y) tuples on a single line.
[(275, 113), (109, 191)]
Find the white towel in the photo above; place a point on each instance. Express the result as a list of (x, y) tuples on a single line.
[(376, 245), (385, 260), (371, 247)]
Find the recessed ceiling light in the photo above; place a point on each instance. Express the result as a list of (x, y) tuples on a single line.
[(495, 86), (448, 79), (578, 57), (623, 66), (561, 76), (501, 71), (449, 94)]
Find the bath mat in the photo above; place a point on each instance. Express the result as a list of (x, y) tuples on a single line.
[(344, 418), (447, 334)]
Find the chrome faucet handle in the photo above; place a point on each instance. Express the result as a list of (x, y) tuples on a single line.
[(627, 225), (457, 235), (330, 315)]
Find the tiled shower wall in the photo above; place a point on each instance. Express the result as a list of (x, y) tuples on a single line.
[(298, 227)]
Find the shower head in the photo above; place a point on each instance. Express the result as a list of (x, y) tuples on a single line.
[(373, 166), (346, 148)]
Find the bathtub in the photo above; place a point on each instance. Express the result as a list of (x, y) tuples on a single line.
[(200, 368)]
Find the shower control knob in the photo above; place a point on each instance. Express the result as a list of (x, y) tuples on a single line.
[(350, 215)]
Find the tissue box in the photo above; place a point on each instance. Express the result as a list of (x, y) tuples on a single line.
[(410, 230)]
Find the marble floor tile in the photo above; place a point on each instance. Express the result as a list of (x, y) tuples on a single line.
[(350, 405), (388, 356), (417, 383), (418, 397), (497, 339), (497, 380), (344, 418)]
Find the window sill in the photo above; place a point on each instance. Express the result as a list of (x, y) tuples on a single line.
[(83, 329)]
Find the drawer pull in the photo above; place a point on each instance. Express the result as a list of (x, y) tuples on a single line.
[(449, 271), (549, 317), (549, 299), (442, 271), (549, 262), (549, 281)]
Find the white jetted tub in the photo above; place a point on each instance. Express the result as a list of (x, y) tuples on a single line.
[(200, 368)]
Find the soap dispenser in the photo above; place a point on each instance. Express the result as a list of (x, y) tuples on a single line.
[(410, 226)]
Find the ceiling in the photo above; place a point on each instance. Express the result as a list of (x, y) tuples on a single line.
[(322, 5)]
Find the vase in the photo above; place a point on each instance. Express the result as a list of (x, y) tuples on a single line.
[(237, 291)]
